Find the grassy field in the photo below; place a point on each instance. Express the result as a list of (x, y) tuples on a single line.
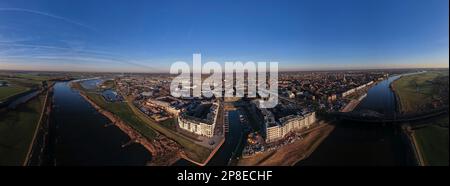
[(125, 113), (16, 131), (9, 91), (33, 77), (416, 92), (24, 82), (433, 142)]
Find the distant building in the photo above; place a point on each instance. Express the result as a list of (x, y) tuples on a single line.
[(353, 90), (348, 92)]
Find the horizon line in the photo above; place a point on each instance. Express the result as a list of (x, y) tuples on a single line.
[(309, 70)]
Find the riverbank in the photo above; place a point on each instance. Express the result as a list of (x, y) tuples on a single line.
[(433, 142), (40, 130), (291, 154), (213, 153), (352, 143), (358, 96), (9, 92), (420, 92), (353, 104), (164, 151), (130, 114), (406, 128), (414, 145), (17, 128)]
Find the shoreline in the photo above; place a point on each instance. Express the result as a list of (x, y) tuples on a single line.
[(406, 128), (44, 116), (157, 147), (412, 141), (353, 104), (316, 144), (211, 155), (157, 150), (294, 153), (398, 106)]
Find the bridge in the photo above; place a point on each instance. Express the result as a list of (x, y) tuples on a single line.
[(369, 116), (373, 117)]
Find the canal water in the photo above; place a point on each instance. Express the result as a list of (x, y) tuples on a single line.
[(232, 141), (78, 135), (229, 148), (359, 144)]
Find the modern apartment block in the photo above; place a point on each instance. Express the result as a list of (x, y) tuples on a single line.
[(203, 126)]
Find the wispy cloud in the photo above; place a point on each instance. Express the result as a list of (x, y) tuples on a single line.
[(19, 50), (48, 15), (55, 54)]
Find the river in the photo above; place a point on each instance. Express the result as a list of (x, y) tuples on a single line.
[(79, 137), (230, 149), (356, 144), (380, 98)]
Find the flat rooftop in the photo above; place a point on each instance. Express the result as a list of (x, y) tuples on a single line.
[(281, 112), (201, 112)]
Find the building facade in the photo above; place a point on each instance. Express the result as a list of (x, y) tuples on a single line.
[(200, 126), (278, 130)]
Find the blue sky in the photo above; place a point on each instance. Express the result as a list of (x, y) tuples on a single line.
[(148, 36)]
